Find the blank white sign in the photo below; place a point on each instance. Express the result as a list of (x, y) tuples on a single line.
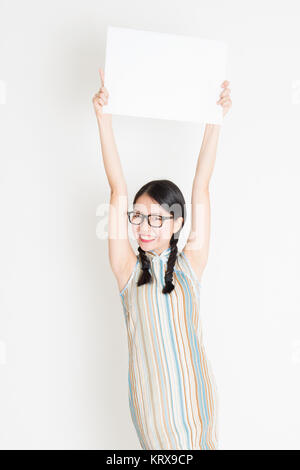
[(164, 76)]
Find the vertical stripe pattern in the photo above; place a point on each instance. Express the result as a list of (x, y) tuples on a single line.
[(171, 387)]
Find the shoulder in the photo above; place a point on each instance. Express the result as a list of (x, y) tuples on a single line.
[(187, 265), (125, 278)]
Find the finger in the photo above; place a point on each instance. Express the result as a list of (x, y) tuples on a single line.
[(102, 94), (103, 90), (97, 98), (224, 100), (225, 83), (101, 77), (102, 101), (226, 104), (225, 92)]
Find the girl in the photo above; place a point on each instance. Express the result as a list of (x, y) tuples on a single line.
[(171, 388)]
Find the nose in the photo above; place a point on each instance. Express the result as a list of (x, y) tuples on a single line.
[(145, 226)]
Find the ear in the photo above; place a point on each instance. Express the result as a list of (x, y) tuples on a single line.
[(177, 224)]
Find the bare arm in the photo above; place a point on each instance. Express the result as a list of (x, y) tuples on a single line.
[(121, 255), (197, 245), (110, 156)]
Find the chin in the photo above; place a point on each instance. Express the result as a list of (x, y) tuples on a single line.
[(147, 245)]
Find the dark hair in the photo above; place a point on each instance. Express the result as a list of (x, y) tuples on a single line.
[(165, 193)]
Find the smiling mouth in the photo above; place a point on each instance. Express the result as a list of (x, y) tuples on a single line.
[(147, 239)]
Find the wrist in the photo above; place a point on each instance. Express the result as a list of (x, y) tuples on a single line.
[(212, 127), (104, 119)]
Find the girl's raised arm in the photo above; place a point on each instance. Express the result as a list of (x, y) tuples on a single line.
[(197, 245), (121, 255)]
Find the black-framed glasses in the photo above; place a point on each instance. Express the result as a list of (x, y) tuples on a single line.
[(137, 218)]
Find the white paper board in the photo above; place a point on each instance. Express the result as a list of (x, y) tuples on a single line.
[(164, 76)]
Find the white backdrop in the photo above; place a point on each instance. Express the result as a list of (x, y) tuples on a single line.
[(63, 344)]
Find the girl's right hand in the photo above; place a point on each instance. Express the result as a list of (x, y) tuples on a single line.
[(100, 98)]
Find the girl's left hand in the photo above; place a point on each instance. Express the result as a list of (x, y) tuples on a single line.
[(225, 100)]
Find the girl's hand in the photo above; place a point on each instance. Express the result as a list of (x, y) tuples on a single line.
[(225, 100), (100, 98)]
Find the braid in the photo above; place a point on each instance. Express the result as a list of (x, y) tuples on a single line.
[(169, 286), (145, 275), (166, 194)]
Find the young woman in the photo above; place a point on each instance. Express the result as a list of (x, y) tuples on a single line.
[(171, 387)]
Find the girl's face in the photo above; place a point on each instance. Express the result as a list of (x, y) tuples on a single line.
[(154, 238)]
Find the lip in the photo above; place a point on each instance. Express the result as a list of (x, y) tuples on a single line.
[(146, 241)]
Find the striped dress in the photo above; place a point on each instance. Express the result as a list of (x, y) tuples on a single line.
[(171, 388)]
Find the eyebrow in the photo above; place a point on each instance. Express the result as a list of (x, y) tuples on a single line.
[(136, 210)]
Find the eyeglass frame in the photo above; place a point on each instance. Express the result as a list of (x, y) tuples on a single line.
[(163, 218)]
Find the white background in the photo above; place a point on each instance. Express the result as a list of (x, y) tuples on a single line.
[(63, 343)]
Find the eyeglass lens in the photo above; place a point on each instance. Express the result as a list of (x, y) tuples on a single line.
[(154, 220)]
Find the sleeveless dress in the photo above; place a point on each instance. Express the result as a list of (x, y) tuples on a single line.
[(171, 388)]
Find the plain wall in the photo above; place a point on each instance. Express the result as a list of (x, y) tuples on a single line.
[(63, 343)]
